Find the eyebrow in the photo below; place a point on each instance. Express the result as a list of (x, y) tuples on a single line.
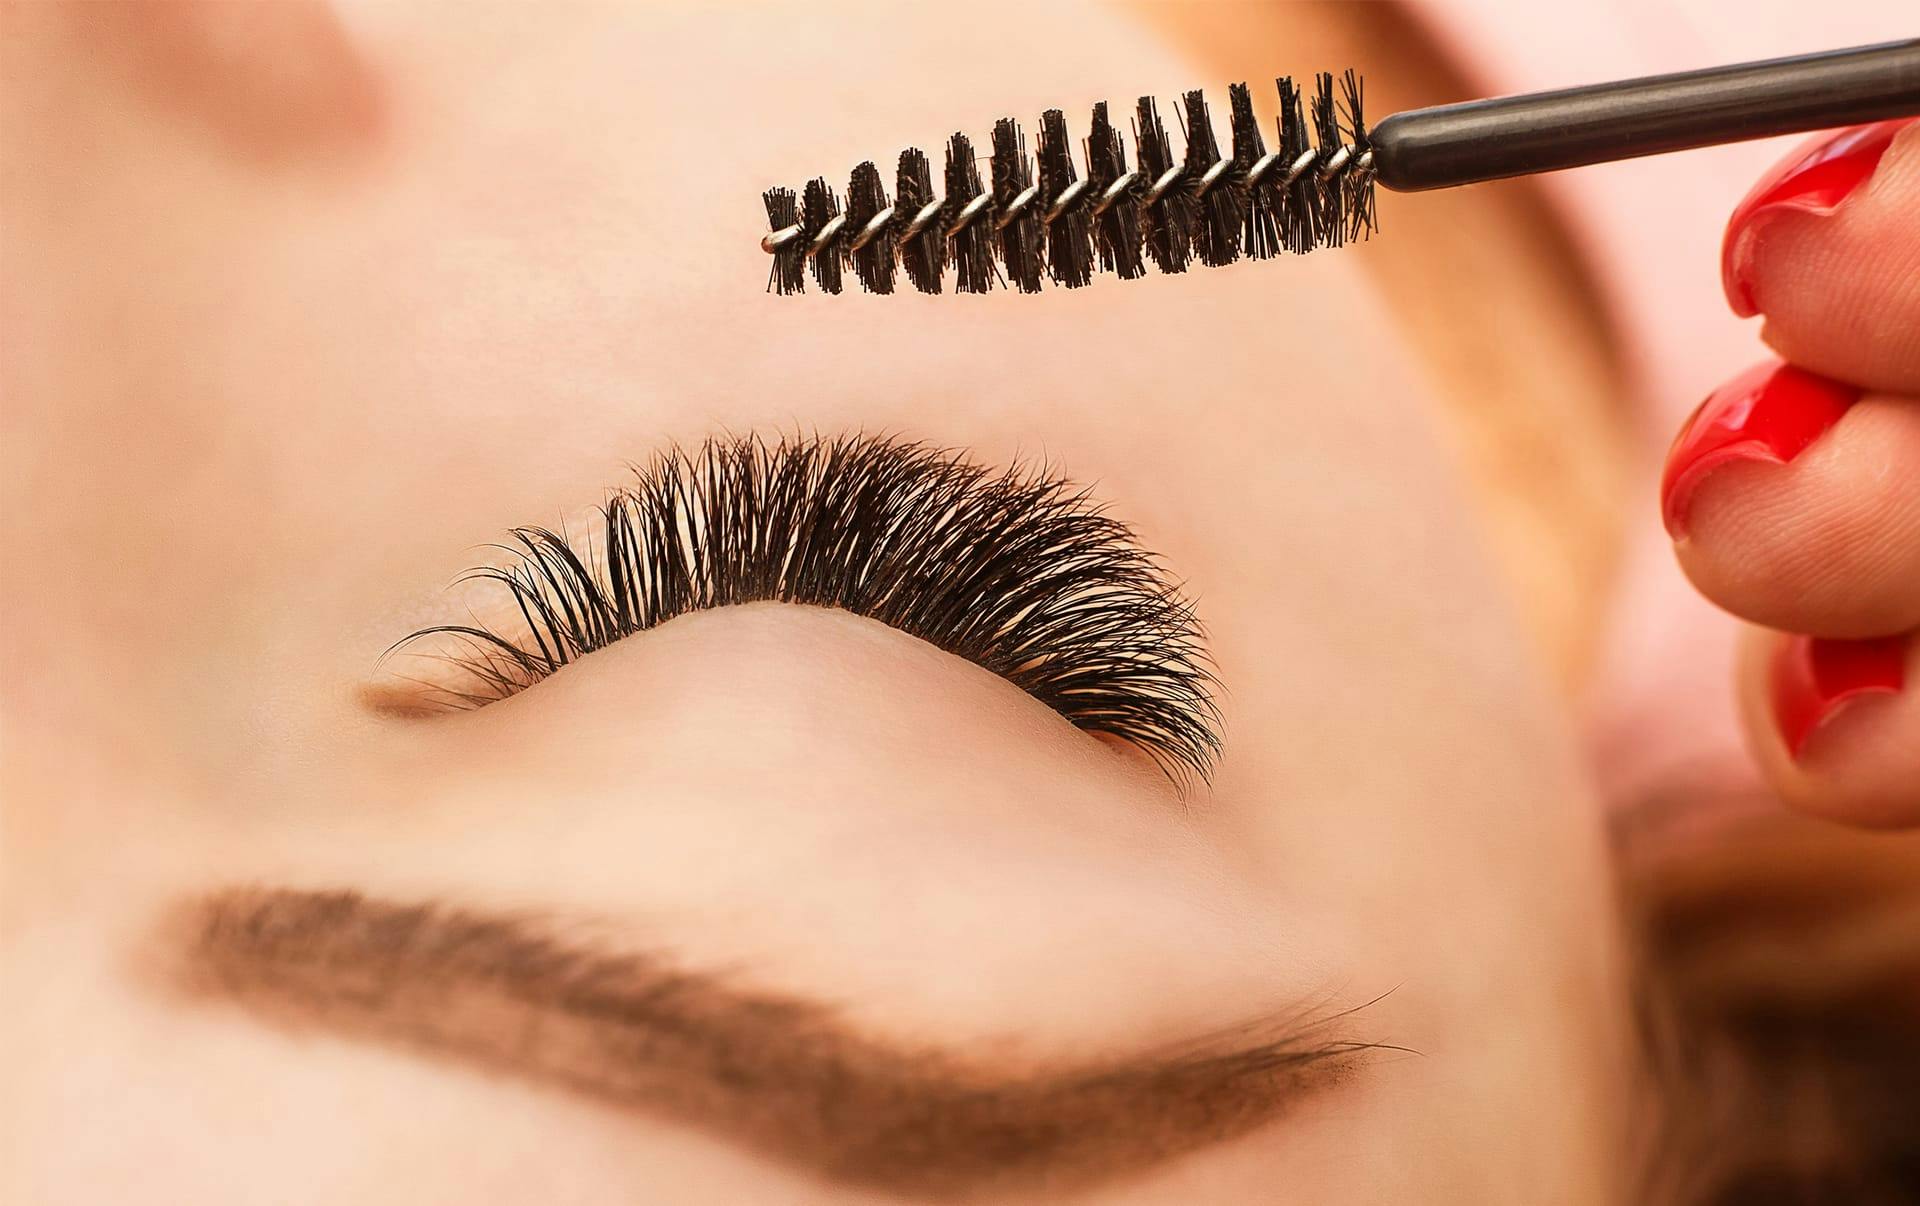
[(785, 1076)]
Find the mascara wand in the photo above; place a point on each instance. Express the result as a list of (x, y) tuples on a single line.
[(1315, 189)]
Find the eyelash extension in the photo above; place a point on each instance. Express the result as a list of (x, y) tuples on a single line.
[(1017, 571), (1315, 189)]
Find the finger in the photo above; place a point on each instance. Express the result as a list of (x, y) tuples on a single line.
[(1836, 724), (1828, 248), (1794, 502)]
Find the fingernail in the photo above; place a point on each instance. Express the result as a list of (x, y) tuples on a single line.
[(1815, 679), (1771, 413), (1813, 180)]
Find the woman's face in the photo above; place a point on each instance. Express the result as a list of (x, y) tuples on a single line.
[(713, 907)]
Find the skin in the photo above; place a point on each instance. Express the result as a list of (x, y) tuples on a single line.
[(270, 384)]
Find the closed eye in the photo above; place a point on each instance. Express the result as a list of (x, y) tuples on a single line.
[(1016, 570)]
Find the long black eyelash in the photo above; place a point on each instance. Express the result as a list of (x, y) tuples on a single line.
[(1017, 571)]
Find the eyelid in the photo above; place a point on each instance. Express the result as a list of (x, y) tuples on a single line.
[(1015, 570)]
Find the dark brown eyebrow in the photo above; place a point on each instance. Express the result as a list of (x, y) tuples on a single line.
[(783, 1075)]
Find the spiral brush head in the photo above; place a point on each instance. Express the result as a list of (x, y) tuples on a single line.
[(1032, 220)]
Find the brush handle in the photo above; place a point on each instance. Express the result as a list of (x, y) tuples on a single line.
[(1546, 131)]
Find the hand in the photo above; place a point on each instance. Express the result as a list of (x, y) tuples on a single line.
[(1793, 494)]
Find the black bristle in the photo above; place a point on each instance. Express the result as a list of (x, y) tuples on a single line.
[(1330, 228), (873, 263), (1020, 237), (1259, 232), (1168, 223), (1362, 220), (1116, 231), (1069, 237), (923, 255), (1216, 228), (789, 271), (818, 206), (972, 246), (1299, 206), (1022, 220)]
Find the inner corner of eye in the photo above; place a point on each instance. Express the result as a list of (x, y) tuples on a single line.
[(432, 672), (400, 700)]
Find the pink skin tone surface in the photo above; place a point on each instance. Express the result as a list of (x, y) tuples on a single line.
[(344, 366), (349, 350)]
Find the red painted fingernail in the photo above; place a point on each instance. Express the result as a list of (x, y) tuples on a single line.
[(1813, 180), (1771, 412), (1813, 679)]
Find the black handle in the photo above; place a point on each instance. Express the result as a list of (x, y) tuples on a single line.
[(1547, 131)]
